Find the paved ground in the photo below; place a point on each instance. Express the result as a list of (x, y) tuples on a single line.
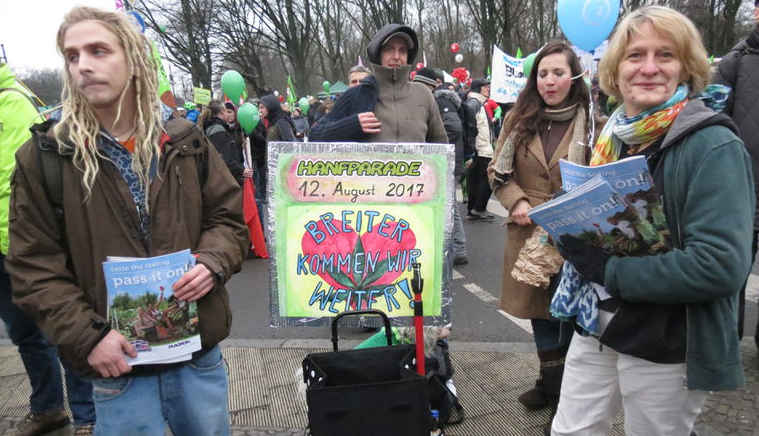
[(264, 397)]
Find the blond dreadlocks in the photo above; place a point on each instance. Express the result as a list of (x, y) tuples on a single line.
[(79, 126)]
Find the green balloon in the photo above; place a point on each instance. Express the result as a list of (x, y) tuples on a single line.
[(232, 84), (326, 86), (248, 117), (162, 28), (527, 65), (304, 106)]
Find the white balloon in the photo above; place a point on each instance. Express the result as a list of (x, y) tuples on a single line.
[(459, 58), (276, 93)]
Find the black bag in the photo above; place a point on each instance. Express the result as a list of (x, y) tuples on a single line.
[(439, 371), (366, 392), (468, 114)]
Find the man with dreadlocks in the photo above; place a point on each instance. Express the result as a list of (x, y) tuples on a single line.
[(131, 189)]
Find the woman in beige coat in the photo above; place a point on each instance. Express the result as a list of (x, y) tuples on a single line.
[(548, 122)]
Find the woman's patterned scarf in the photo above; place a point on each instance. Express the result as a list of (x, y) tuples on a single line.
[(643, 128), (649, 125), (576, 299)]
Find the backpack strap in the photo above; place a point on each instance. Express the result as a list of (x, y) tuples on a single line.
[(181, 131), (201, 163), (51, 165)]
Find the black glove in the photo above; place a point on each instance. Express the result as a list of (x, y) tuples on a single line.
[(589, 261)]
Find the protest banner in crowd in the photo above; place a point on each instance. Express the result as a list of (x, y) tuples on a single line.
[(508, 78), (346, 223)]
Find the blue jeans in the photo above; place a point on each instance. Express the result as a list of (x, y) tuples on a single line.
[(40, 360), (551, 334), (191, 397)]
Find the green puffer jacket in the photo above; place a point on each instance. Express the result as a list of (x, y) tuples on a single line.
[(17, 114), (709, 202)]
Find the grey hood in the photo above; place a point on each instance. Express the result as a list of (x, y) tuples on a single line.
[(375, 45), (694, 116)]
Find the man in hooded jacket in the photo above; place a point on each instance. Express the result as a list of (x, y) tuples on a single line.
[(739, 69), (386, 106)]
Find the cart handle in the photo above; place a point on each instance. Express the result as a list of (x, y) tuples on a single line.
[(417, 283), (385, 320)]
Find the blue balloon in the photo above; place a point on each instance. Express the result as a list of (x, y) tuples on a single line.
[(587, 23), (137, 20)]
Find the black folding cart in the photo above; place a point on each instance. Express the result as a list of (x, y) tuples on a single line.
[(366, 392)]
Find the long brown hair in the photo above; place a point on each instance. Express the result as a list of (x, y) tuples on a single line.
[(526, 115)]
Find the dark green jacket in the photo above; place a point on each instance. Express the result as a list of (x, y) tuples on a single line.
[(709, 202)]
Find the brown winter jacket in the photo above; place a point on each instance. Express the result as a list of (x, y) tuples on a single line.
[(57, 277)]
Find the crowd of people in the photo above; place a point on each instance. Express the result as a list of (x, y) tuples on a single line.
[(670, 322)]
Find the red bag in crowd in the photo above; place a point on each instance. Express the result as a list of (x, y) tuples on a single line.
[(252, 220)]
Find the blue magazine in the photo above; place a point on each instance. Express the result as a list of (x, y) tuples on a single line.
[(142, 307), (631, 179), (627, 221), (625, 175)]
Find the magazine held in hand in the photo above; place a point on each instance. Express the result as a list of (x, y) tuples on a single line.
[(613, 207), (142, 307)]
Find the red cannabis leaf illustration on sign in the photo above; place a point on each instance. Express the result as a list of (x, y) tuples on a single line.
[(370, 255)]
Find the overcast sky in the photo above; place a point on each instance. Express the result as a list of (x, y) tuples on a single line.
[(28, 28)]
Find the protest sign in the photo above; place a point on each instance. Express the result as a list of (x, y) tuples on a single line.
[(508, 79), (201, 96), (346, 223)]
